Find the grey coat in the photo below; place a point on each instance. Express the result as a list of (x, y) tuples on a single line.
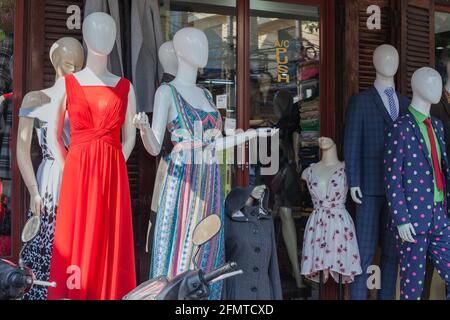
[(250, 242)]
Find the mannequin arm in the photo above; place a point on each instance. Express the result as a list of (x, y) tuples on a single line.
[(229, 142), (393, 167), (128, 130), (25, 164), (354, 128), (153, 137)]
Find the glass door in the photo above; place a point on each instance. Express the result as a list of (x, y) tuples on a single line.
[(285, 53), (285, 93), (6, 121)]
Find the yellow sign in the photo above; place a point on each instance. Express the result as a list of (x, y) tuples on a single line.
[(282, 61)]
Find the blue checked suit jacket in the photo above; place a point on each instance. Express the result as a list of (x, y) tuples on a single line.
[(367, 120), (409, 174)]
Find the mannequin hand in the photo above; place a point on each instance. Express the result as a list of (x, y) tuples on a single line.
[(357, 195), (258, 192), (36, 204), (407, 233), (141, 122)]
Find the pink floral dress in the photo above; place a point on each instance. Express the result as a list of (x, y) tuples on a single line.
[(330, 243)]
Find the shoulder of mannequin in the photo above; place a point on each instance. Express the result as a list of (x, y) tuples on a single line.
[(164, 91), (33, 99)]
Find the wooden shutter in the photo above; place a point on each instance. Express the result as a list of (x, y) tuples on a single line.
[(417, 39), (360, 43)]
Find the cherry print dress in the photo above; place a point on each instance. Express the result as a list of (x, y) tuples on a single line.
[(330, 243)]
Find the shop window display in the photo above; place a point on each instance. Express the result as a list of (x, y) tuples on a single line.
[(6, 117), (285, 93)]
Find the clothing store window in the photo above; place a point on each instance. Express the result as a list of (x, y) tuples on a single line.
[(6, 118), (442, 38), (217, 18), (284, 63)]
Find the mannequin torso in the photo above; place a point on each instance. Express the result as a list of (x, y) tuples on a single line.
[(192, 49), (327, 167)]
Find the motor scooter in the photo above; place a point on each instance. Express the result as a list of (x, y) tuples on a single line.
[(17, 279), (191, 285)]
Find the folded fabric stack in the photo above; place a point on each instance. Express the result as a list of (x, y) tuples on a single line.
[(310, 122)]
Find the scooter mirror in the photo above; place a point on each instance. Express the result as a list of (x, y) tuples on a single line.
[(207, 229), (31, 230)]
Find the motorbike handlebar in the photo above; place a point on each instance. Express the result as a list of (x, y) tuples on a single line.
[(228, 268)]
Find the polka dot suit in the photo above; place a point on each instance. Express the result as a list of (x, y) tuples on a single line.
[(409, 181)]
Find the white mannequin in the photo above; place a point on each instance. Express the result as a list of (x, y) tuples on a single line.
[(169, 61), (99, 32), (257, 194), (191, 46), (67, 56), (427, 90), (324, 169), (386, 62), (168, 58)]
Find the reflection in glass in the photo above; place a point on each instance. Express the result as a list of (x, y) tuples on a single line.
[(285, 61), (442, 36), (6, 71)]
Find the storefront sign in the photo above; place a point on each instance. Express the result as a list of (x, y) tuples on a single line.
[(282, 61)]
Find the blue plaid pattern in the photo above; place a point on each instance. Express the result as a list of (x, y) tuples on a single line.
[(393, 109), (367, 119), (371, 227)]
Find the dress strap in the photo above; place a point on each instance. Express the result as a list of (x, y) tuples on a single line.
[(176, 101)]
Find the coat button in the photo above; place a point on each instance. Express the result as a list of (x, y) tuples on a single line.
[(255, 269), (257, 250), (254, 289), (255, 231)]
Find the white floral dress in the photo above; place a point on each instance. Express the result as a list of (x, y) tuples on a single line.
[(330, 243)]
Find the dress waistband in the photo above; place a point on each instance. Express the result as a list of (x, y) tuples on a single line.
[(81, 137)]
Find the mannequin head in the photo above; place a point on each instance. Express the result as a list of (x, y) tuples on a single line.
[(99, 33), (67, 56), (168, 58), (426, 84), (191, 46), (386, 60), (326, 144)]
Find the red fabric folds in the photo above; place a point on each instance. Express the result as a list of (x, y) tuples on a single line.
[(93, 253)]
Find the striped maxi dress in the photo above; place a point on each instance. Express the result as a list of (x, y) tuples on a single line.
[(191, 191)]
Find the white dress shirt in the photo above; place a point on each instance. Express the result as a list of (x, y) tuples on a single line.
[(381, 88)]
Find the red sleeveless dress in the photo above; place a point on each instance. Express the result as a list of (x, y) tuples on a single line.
[(93, 252)]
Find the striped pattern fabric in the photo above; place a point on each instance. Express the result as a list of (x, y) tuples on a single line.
[(190, 192)]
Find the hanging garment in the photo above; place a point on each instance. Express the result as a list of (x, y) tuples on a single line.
[(330, 243), (38, 254), (94, 231), (250, 242), (5, 148), (189, 193), (145, 41)]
